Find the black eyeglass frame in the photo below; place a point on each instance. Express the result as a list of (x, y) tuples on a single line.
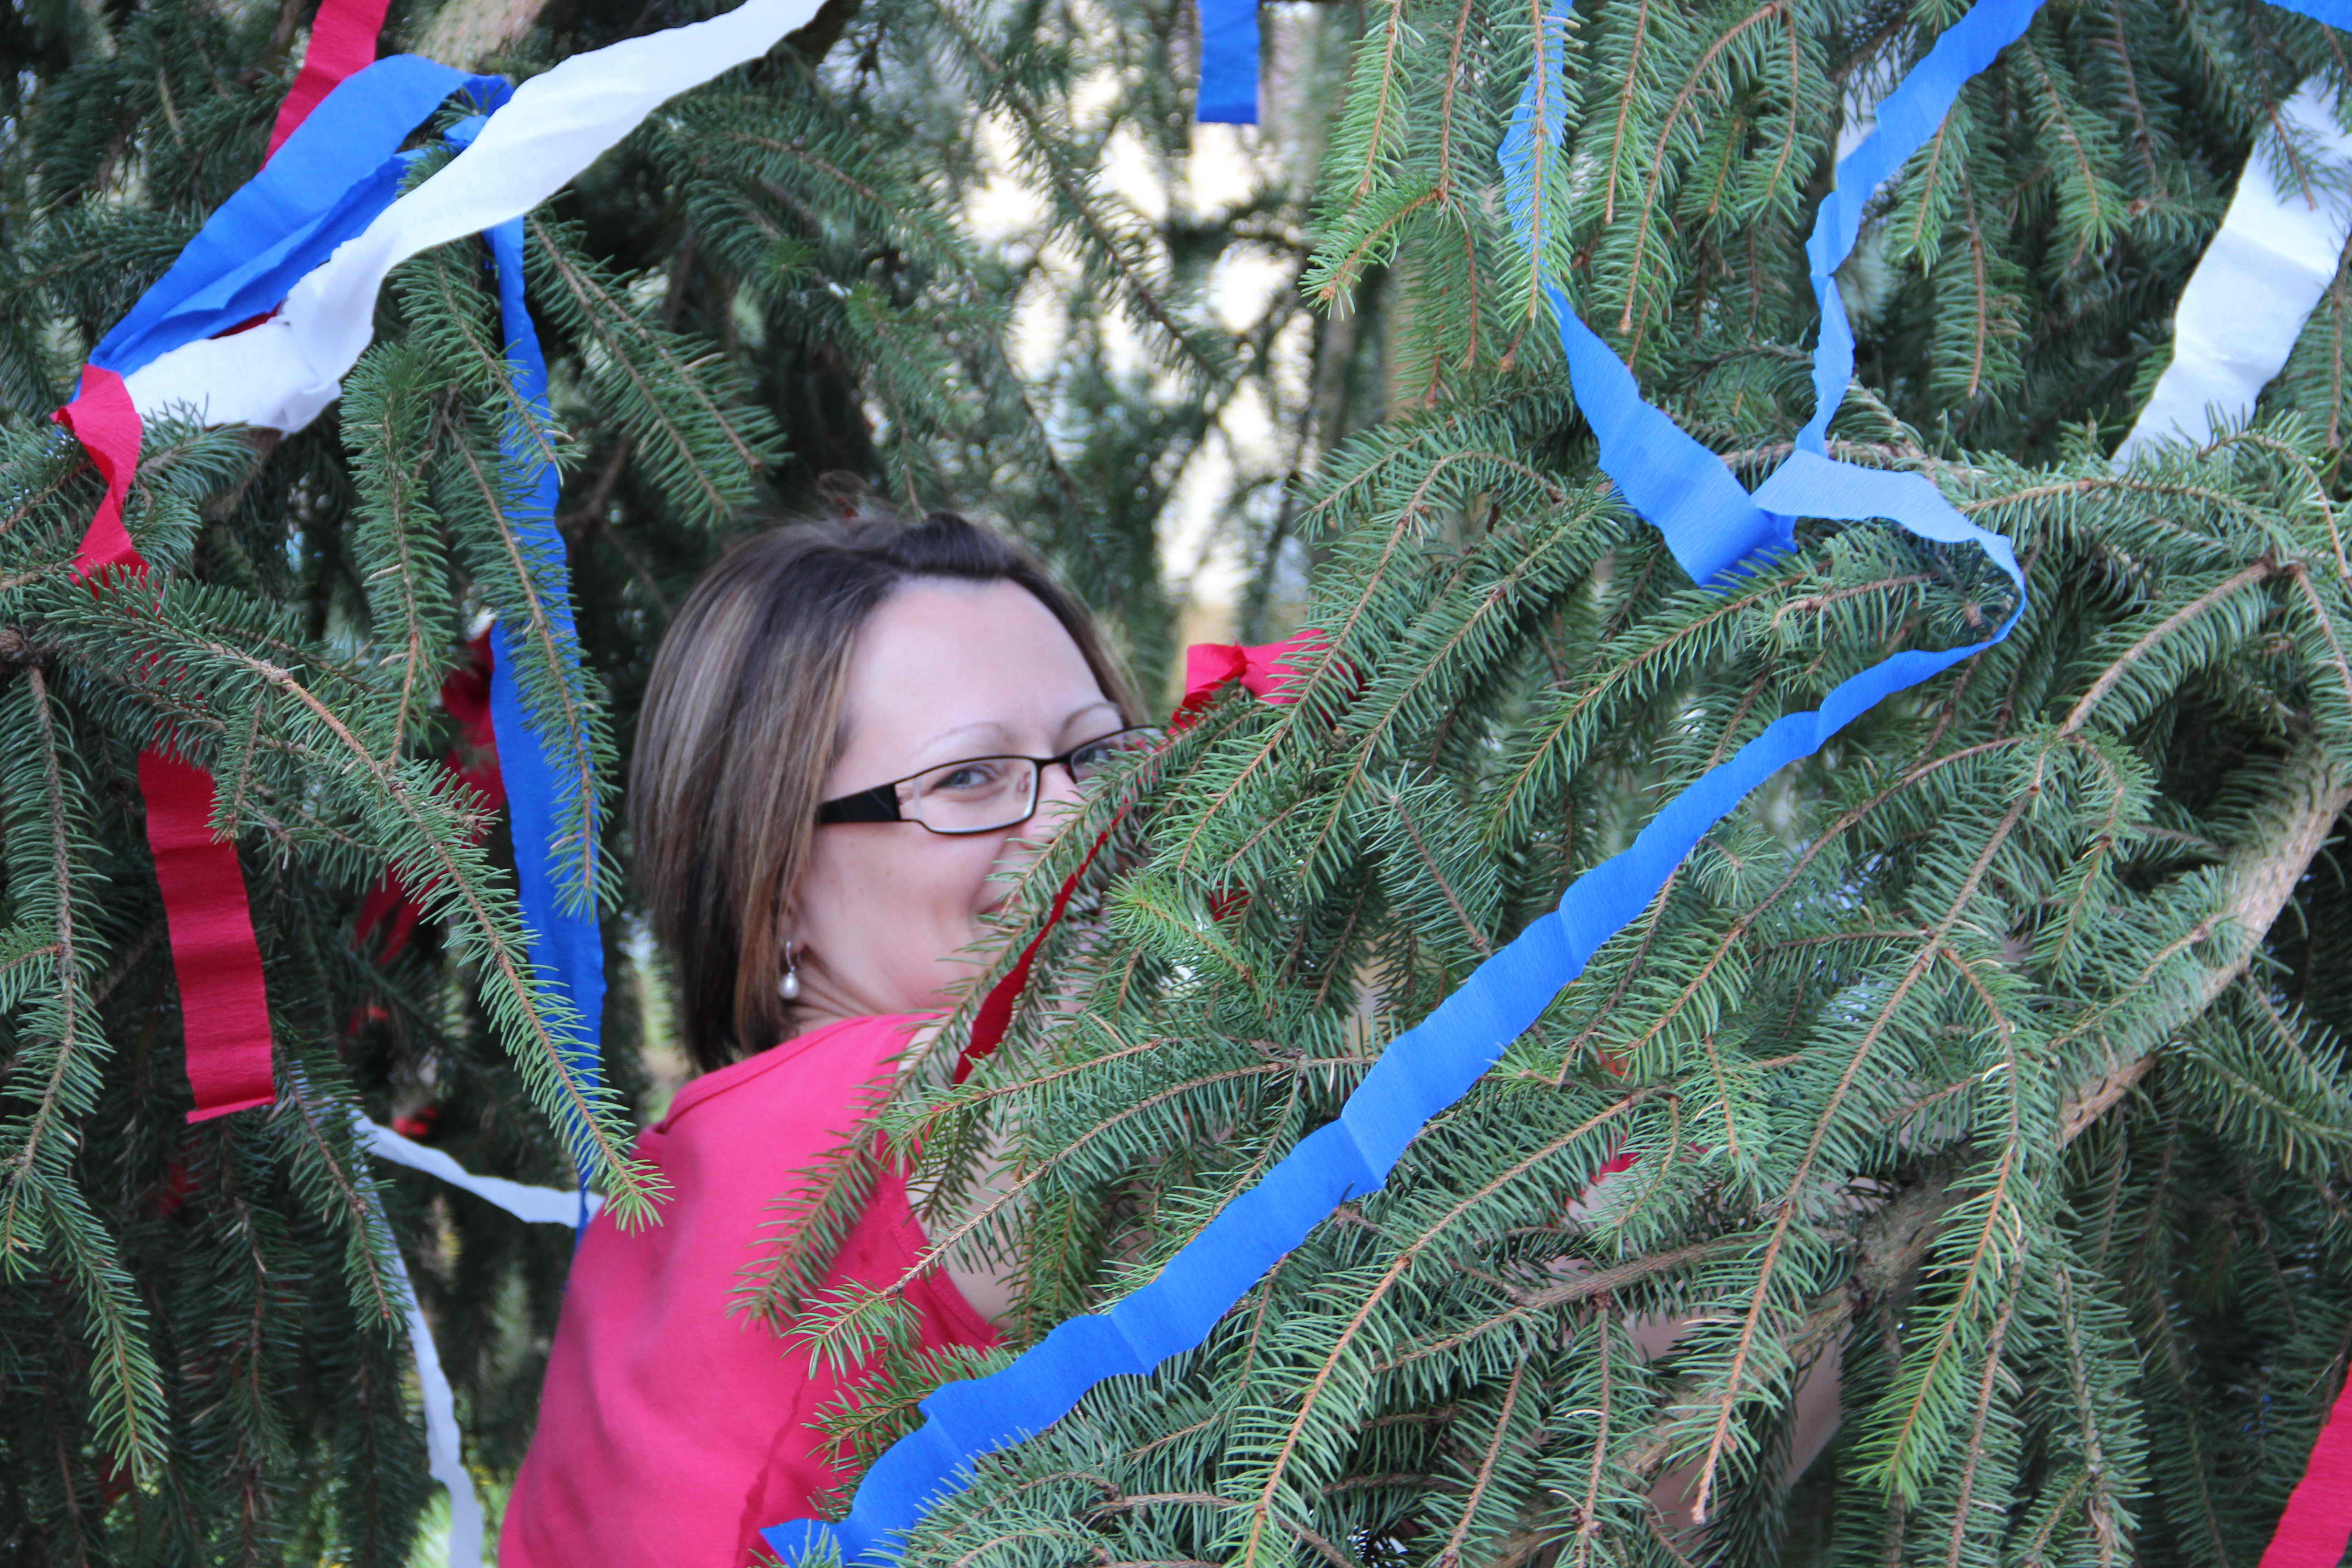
[(880, 803)]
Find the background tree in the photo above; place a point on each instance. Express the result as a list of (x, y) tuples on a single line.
[(1978, 1047)]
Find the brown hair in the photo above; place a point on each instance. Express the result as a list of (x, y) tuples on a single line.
[(741, 723)]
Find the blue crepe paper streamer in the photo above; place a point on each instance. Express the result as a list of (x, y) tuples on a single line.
[(1908, 117), (1229, 52), (2336, 14), (338, 169), (566, 941), (1714, 529)]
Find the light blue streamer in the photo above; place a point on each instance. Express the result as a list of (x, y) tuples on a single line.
[(1715, 530)]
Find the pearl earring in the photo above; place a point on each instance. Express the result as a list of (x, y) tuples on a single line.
[(788, 983)]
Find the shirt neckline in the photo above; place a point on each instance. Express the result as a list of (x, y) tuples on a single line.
[(734, 1074)]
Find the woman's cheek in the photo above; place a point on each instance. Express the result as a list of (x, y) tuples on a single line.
[(952, 879)]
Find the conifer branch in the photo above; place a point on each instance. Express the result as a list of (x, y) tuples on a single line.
[(1599, 1285), (396, 476), (567, 716), (1090, 220), (2142, 139), (1387, 90), (452, 297), (1588, 1516), (40, 494), (2260, 572), (665, 373), (1436, 873), (1262, 1506), (27, 1185), (354, 1208), (1683, 98), (1616, 153), (2286, 832), (1483, 1476), (1791, 1202), (2124, 1055), (2105, 1533), (1447, 126), (576, 1106)]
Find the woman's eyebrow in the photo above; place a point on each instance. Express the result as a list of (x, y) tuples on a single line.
[(978, 727), (989, 727)]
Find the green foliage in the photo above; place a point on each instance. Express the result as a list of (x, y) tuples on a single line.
[(1995, 1049)]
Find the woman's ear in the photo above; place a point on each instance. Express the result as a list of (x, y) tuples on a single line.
[(782, 916)]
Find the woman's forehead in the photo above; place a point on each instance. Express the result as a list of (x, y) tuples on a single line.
[(942, 662)]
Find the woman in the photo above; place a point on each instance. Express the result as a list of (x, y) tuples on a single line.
[(850, 730)]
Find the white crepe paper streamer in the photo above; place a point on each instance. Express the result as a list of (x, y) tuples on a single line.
[(540, 1205), (2256, 285), (281, 374), (444, 1444), (1865, 89)]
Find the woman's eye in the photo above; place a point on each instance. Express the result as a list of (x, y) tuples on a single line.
[(967, 776), (1095, 753)]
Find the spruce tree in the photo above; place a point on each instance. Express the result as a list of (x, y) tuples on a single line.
[(1996, 1047)]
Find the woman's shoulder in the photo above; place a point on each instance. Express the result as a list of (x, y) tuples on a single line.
[(818, 1071)]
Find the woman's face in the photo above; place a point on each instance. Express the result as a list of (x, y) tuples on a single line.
[(941, 671)]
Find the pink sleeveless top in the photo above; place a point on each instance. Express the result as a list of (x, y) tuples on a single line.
[(670, 1430)]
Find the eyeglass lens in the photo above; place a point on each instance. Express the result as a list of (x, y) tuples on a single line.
[(983, 793)]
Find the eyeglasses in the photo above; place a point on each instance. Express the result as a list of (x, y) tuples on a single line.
[(977, 795)]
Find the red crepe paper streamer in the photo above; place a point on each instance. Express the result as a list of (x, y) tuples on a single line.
[(224, 1011), (343, 41), (1268, 670), (224, 1007), (1271, 670), (2317, 1524), (104, 421), (465, 696), (995, 1014)]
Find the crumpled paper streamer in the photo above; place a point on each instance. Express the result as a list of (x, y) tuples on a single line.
[(2276, 254), (444, 1445), (281, 374), (537, 1206)]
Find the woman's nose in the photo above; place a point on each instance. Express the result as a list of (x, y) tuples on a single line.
[(1057, 791)]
